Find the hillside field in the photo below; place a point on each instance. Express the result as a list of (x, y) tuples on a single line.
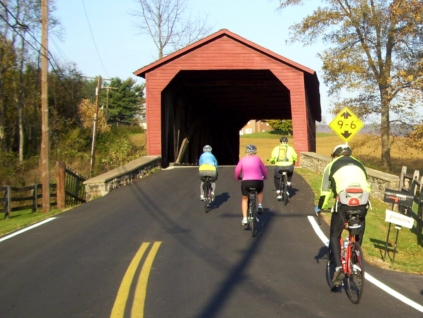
[(366, 148)]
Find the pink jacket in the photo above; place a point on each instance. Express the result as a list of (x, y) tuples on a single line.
[(250, 168)]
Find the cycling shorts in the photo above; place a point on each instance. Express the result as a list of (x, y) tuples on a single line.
[(246, 184)]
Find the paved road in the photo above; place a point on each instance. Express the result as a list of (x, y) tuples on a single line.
[(149, 250)]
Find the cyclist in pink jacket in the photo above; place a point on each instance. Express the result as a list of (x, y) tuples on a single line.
[(251, 170)]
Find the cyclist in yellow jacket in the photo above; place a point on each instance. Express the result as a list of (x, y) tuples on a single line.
[(284, 158), (343, 171)]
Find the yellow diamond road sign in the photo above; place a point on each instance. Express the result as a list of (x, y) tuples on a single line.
[(346, 124)]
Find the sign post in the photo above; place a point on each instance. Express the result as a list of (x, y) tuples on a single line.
[(404, 201), (346, 124), (399, 220)]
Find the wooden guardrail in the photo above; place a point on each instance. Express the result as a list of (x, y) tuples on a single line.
[(68, 190), (24, 198)]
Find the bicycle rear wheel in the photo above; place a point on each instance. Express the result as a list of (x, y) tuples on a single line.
[(355, 279), (330, 269), (284, 191), (253, 220), (207, 196)]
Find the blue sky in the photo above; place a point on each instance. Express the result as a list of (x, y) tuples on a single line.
[(101, 38)]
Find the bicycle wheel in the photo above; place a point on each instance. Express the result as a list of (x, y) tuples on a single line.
[(280, 189), (285, 189), (355, 279), (253, 219), (330, 269), (206, 189)]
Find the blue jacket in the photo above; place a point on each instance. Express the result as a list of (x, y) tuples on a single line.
[(207, 158)]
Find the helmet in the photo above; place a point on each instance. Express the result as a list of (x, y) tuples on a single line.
[(284, 140), (207, 148), (343, 149), (251, 149)]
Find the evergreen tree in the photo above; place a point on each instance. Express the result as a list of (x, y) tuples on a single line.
[(125, 101)]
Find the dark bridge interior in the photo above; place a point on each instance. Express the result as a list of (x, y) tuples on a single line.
[(211, 107)]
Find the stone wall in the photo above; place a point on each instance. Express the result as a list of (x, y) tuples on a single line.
[(378, 180), (99, 186)]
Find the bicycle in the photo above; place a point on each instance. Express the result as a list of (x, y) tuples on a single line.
[(283, 186), (353, 266), (352, 257), (207, 191), (252, 212)]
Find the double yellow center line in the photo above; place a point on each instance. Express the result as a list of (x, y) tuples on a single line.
[(121, 301)]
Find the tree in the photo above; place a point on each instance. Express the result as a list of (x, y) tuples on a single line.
[(20, 49), (285, 126), (375, 56), (86, 111), (415, 138), (166, 23), (125, 101)]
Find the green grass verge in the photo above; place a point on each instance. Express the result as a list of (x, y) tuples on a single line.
[(21, 219), (409, 256)]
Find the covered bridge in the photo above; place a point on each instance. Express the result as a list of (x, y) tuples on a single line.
[(206, 92)]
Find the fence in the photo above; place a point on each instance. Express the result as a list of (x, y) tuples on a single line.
[(71, 189), (27, 198), (68, 190)]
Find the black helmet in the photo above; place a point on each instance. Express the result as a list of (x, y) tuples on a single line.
[(284, 140), (340, 150), (251, 149)]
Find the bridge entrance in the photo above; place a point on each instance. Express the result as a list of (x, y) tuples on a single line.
[(211, 107)]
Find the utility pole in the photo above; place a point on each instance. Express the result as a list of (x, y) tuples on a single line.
[(45, 179), (97, 104)]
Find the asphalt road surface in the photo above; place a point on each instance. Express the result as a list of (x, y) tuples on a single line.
[(149, 250)]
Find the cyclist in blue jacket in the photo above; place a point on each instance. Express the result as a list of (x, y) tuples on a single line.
[(207, 168)]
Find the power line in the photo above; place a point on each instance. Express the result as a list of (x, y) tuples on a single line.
[(92, 36), (50, 57), (25, 28)]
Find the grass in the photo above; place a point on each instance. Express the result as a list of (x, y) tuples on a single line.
[(21, 219)]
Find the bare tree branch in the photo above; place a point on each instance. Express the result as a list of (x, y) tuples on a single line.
[(169, 25)]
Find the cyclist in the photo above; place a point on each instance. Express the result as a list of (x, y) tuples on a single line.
[(341, 172), (251, 170), (284, 158), (207, 168)]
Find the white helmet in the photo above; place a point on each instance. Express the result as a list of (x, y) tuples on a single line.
[(343, 149), (207, 148)]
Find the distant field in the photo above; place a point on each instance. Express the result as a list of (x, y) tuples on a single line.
[(367, 148)]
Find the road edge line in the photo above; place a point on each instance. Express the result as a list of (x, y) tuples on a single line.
[(26, 229)]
